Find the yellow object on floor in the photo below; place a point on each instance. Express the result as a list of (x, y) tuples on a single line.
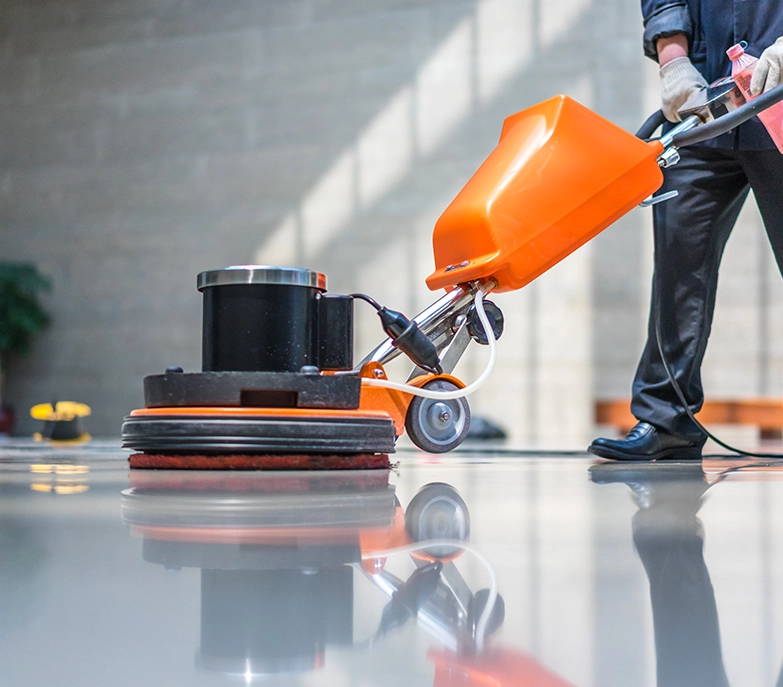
[(62, 421)]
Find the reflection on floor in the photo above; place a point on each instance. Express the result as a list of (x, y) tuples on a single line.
[(470, 569)]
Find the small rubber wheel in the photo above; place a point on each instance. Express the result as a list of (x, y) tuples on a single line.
[(438, 512), (438, 426), (496, 322), (476, 606)]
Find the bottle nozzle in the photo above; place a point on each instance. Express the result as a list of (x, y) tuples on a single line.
[(736, 51)]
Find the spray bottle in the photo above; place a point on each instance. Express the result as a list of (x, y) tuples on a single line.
[(742, 66)]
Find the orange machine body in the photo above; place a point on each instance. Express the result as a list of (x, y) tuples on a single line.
[(498, 667), (559, 175), (374, 402)]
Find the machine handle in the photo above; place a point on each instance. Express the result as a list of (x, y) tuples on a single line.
[(652, 122), (727, 122), (718, 126)]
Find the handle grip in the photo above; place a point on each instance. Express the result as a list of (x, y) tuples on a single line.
[(718, 126), (727, 122), (652, 122)]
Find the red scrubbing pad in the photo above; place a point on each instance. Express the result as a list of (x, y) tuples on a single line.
[(359, 461)]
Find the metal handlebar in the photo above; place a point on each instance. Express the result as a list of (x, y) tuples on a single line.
[(721, 125), (729, 121)]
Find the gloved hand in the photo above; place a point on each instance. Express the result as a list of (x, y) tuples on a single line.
[(681, 86), (769, 69)]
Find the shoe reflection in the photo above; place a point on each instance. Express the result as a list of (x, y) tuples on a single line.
[(669, 539), (278, 554)]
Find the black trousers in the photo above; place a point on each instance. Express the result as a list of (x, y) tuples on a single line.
[(691, 231)]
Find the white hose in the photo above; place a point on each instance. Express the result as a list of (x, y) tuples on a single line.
[(481, 626), (458, 393)]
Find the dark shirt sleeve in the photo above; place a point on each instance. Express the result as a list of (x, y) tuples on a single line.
[(663, 18)]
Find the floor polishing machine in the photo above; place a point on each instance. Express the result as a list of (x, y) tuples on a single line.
[(279, 388)]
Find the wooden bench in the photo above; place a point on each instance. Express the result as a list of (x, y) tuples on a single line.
[(764, 413)]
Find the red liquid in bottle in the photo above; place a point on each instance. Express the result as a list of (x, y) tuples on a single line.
[(742, 67)]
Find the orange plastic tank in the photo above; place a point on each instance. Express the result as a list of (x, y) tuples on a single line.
[(559, 175)]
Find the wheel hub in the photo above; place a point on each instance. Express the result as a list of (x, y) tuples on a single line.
[(440, 415), (440, 419)]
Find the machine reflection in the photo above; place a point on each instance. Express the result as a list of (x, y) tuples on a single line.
[(280, 554)]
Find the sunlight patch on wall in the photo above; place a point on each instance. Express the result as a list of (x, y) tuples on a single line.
[(560, 15), (280, 248), (468, 69), (385, 149), (330, 204), (443, 89), (504, 31)]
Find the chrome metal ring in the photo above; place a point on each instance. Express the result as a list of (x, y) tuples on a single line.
[(262, 274)]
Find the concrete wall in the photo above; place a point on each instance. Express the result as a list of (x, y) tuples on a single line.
[(144, 141)]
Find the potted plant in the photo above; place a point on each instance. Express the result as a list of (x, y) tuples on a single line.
[(21, 318)]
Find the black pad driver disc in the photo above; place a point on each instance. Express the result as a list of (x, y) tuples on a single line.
[(267, 434)]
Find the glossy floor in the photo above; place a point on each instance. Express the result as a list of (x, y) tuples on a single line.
[(607, 574)]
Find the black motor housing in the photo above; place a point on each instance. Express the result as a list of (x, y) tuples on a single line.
[(268, 334), (273, 319)]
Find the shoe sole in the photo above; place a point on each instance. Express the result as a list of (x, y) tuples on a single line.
[(690, 453)]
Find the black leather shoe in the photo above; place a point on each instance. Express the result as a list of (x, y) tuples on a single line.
[(647, 442)]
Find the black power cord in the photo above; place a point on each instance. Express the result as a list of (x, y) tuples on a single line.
[(405, 335), (684, 402)]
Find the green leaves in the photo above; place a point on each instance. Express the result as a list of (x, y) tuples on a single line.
[(21, 316)]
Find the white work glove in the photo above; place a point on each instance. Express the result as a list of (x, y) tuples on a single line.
[(769, 69), (682, 86)]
